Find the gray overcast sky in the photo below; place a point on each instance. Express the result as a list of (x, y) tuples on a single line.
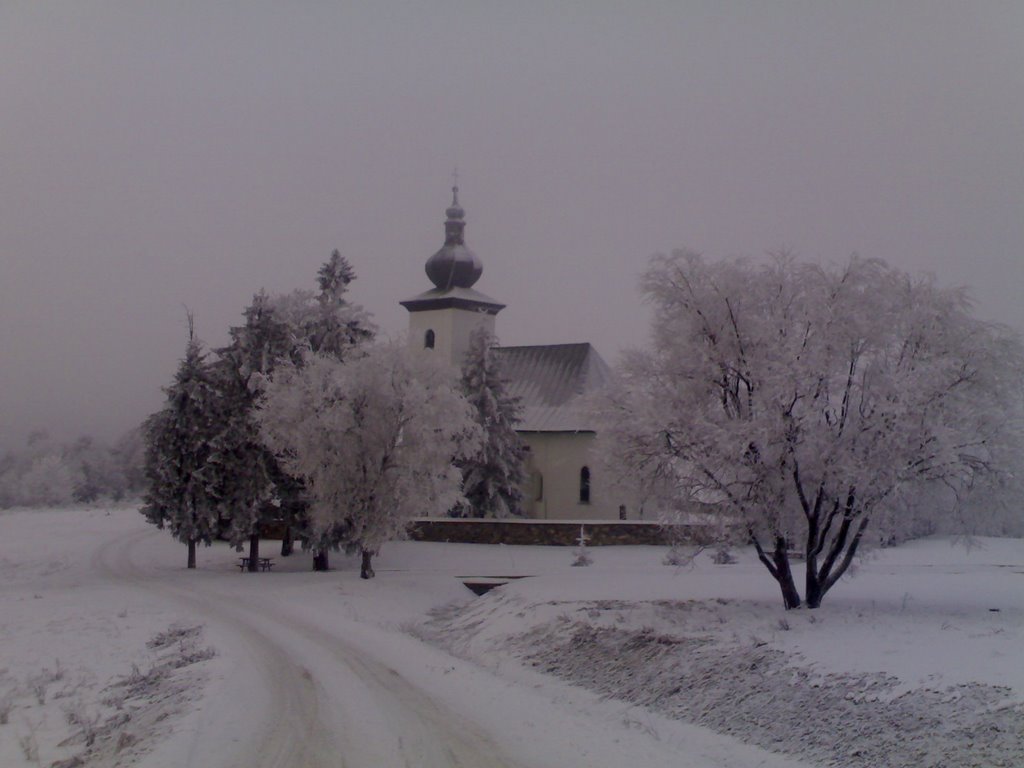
[(160, 154)]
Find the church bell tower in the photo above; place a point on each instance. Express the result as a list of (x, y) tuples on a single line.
[(442, 319)]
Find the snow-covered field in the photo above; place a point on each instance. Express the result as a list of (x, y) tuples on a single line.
[(112, 653)]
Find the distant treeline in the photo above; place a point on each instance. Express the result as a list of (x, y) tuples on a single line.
[(46, 472)]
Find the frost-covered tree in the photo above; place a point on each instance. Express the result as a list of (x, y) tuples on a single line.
[(47, 480), (179, 444), (282, 329), (101, 472), (372, 440), (337, 326), (241, 468), (39, 474), (491, 477), (809, 403), (47, 472), (129, 453)]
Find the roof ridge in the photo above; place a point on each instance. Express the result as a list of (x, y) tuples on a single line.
[(546, 346)]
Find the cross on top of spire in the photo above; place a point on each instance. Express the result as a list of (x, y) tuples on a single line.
[(455, 212), (454, 266)]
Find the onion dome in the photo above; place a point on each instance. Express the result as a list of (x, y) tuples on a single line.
[(454, 266)]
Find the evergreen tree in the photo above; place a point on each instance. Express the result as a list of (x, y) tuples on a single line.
[(337, 326), (252, 486), (241, 468), (491, 478), (178, 448)]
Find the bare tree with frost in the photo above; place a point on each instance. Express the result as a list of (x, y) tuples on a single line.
[(47, 472), (811, 405), (373, 440)]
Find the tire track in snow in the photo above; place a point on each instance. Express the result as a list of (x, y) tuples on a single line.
[(374, 716), (292, 735), (427, 732)]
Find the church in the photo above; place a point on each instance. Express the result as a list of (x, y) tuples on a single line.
[(563, 477)]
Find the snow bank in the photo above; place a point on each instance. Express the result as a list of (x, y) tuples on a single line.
[(916, 662), (92, 673)]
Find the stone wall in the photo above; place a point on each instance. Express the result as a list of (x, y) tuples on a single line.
[(564, 533)]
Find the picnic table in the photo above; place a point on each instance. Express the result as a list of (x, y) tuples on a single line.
[(265, 563)]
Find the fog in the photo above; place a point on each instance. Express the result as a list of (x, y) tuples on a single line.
[(168, 154)]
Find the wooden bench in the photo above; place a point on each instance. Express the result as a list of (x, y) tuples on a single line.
[(265, 564)]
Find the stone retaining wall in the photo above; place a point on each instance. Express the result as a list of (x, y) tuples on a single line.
[(564, 533)]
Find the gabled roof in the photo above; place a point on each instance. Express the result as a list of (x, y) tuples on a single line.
[(550, 380)]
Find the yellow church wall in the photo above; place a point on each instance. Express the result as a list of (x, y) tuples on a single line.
[(552, 488), (452, 330)]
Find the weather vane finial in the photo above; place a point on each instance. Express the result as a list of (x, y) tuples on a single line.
[(455, 185)]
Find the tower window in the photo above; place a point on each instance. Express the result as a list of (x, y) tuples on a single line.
[(585, 485), (428, 339)]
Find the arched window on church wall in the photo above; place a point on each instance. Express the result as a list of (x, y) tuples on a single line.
[(428, 339), (585, 485)]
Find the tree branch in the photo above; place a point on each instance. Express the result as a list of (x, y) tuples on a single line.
[(823, 533), (804, 503), (839, 542), (850, 553), (763, 556)]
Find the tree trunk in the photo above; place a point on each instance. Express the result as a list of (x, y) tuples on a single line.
[(191, 553), (366, 570), (287, 543), (778, 567), (813, 592), (790, 597), (254, 552), (321, 561), (821, 580), (814, 587)]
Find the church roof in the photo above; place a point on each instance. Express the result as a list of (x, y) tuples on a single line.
[(457, 297), (454, 270), (550, 381), (454, 266)]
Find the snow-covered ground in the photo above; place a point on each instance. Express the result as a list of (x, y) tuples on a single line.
[(112, 653)]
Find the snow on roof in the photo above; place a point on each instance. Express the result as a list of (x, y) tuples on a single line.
[(550, 381)]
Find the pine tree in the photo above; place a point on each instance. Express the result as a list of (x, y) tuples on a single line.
[(279, 330), (179, 442), (493, 476), (241, 467), (338, 326)]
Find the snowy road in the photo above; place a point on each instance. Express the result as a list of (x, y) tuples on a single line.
[(331, 703), (310, 669), (103, 631)]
